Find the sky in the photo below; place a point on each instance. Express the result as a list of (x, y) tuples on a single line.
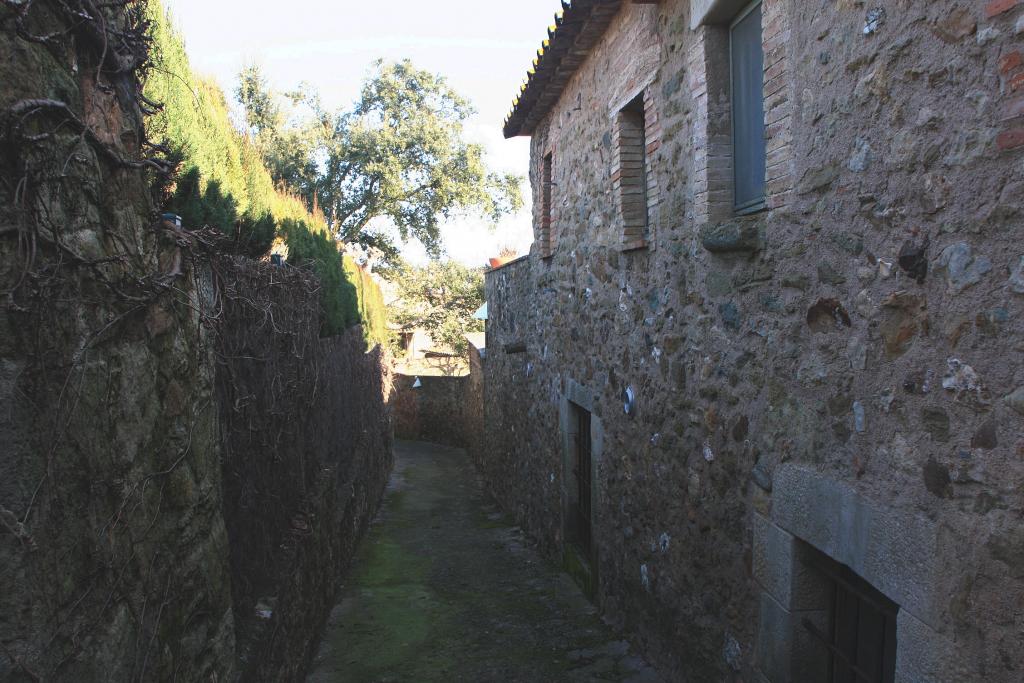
[(483, 47)]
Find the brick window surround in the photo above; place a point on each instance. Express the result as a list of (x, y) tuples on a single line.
[(637, 135), (545, 238), (710, 87)]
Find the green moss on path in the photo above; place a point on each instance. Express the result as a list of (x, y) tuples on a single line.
[(444, 589)]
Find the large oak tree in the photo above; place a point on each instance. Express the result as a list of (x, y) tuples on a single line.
[(396, 165)]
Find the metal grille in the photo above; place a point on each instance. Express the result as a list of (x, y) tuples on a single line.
[(862, 642), (583, 480)]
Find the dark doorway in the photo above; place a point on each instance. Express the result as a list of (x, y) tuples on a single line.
[(583, 450)]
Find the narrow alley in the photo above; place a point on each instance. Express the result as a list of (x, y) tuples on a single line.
[(446, 588), (547, 341)]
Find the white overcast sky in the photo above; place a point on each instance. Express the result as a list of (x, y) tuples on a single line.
[(483, 47)]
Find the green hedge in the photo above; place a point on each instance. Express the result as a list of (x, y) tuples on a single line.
[(370, 300), (224, 183)]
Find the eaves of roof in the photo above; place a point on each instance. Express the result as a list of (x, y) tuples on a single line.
[(577, 28)]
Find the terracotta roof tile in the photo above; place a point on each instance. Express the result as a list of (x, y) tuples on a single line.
[(577, 28)]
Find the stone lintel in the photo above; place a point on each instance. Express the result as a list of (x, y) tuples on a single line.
[(924, 655), (895, 551), (578, 394)]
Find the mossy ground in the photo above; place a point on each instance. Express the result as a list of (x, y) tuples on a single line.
[(445, 589)]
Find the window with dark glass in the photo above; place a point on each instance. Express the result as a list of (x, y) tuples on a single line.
[(748, 132)]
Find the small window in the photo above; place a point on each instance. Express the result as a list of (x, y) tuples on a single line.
[(633, 169), (546, 219), (862, 639), (748, 131)]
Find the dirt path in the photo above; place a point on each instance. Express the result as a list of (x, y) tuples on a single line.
[(445, 589)]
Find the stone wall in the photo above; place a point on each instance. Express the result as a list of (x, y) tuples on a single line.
[(435, 412), (842, 370), (113, 550), (307, 451), (175, 469)]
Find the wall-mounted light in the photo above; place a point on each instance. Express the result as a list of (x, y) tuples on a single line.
[(172, 218), (417, 384), (629, 401)]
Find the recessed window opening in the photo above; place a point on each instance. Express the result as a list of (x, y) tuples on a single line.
[(746, 56), (546, 219), (861, 641), (633, 169)]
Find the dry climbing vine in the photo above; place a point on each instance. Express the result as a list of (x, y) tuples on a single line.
[(299, 417), (87, 283), (84, 280)]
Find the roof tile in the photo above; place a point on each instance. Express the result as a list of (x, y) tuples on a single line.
[(577, 28)]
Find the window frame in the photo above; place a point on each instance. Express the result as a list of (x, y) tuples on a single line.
[(761, 203)]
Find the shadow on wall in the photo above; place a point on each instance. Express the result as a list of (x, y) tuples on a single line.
[(443, 410), (306, 446)]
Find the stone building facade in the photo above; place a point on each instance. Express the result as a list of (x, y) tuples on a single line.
[(739, 427)]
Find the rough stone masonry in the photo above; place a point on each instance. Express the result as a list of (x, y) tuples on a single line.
[(185, 465), (837, 376)]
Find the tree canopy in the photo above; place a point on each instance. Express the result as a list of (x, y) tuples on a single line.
[(441, 299), (396, 165)]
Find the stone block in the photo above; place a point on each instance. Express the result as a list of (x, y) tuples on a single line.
[(733, 237), (1016, 281), (773, 559), (578, 394), (996, 7), (895, 551), (924, 656), (1015, 400), (1010, 139), (772, 654), (962, 268), (785, 650)]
